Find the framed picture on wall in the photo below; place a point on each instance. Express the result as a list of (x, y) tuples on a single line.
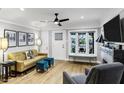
[(30, 39), (11, 35), (22, 39)]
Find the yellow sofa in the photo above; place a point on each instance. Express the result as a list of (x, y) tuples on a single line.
[(23, 63)]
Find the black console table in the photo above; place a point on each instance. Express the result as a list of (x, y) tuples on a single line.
[(6, 70)]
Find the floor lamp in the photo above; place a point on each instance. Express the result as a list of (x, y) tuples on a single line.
[(3, 45)]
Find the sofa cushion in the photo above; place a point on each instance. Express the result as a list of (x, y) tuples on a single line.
[(29, 62), (35, 53), (39, 57), (79, 79), (34, 60), (18, 56)]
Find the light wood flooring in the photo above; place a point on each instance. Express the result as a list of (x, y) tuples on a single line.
[(52, 76)]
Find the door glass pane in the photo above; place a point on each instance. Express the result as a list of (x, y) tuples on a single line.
[(91, 42), (73, 42), (58, 36), (82, 43)]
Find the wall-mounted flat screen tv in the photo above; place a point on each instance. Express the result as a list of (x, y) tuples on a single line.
[(112, 30)]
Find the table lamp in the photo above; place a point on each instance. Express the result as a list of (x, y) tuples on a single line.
[(3, 45)]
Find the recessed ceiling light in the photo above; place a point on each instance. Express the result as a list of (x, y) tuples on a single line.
[(22, 9), (82, 17)]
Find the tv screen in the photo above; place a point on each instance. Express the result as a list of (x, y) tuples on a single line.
[(112, 30)]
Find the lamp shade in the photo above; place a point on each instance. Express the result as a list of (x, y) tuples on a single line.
[(3, 43)]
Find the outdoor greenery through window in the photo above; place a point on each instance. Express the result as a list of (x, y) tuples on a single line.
[(82, 42)]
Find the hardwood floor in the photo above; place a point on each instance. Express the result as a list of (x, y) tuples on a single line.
[(52, 76)]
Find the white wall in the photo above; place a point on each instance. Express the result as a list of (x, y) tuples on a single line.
[(46, 44), (46, 33), (110, 15), (16, 28)]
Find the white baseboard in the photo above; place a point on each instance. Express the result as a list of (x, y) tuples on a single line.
[(88, 61)]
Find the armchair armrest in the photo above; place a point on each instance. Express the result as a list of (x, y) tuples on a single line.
[(67, 79), (42, 54)]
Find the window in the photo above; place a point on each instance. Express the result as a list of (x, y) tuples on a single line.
[(91, 42), (82, 43), (73, 42)]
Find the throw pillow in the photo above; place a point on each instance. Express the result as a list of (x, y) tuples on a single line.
[(31, 54), (35, 53), (27, 55)]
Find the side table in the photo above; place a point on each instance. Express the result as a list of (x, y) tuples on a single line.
[(6, 70)]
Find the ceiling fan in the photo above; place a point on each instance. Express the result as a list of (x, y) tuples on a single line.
[(57, 20)]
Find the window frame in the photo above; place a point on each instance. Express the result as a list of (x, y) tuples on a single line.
[(87, 31)]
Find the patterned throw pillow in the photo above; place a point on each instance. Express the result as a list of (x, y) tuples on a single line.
[(31, 54), (27, 55)]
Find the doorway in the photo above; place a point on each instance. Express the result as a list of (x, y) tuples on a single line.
[(59, 45)]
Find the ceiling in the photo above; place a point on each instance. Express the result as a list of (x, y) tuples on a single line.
[(31, 17)]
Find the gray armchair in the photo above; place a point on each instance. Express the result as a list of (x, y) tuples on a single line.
[(99, 74)]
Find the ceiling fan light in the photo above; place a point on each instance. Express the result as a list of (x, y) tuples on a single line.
[(56, 22)]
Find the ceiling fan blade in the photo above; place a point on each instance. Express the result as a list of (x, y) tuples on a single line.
[(46, 21), (62, 20), (50, 21), (42, 21), (59, 24)]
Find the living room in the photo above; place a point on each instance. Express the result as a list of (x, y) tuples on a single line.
[(44, 45), (61, 46)]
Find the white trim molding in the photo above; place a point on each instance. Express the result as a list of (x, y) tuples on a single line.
[(10, 22)]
